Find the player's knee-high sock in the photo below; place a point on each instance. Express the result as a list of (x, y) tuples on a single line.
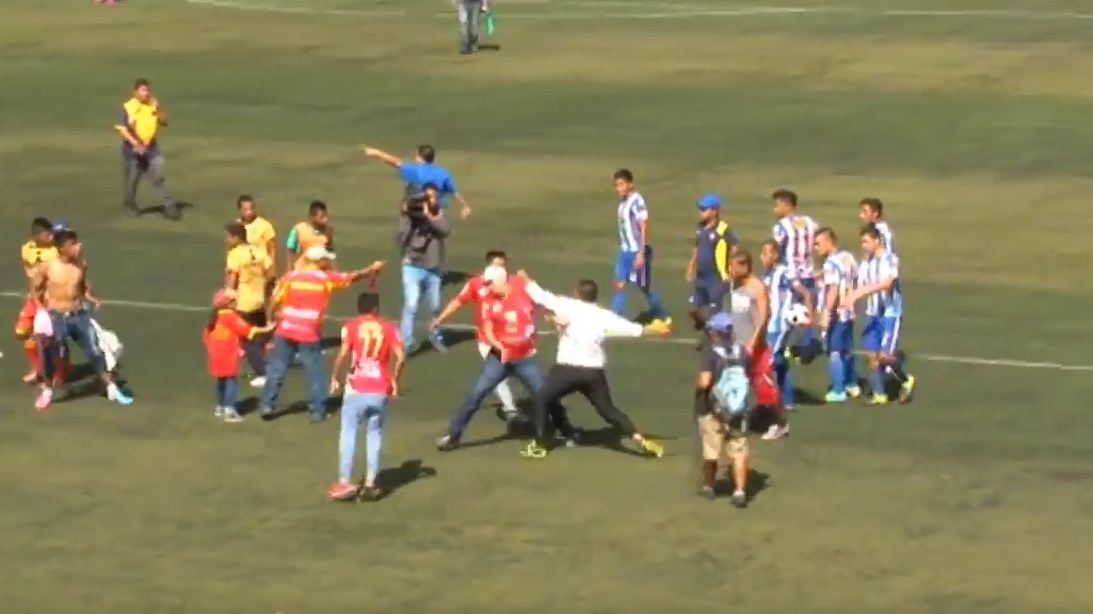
[(784, 376), (656, 306), (850, 369), (374, 441), (618, 301), (876, 380), (504, 394), (836, 372)]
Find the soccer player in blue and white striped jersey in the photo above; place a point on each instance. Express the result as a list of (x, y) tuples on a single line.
[(878, 284), (635, 261), (784, 292), (872, 212), (837, 316), (795, 235)]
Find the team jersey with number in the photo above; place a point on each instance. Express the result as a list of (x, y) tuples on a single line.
[(372, 342), (513, 321)]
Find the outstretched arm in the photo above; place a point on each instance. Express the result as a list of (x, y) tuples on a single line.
[(383, 156)]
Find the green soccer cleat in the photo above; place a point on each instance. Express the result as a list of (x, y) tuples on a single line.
[(907, 390)]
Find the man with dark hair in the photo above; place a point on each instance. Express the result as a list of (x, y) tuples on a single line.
[(878, 283), (260, 232), (421, 171), (583, 327), (476, 291), (61, 285), (315, 231), (634, 264), (249, 271), (372, 342), (139, 125), (34, 254), (796, 236), (837, 316), (422, 232), (871, 211)]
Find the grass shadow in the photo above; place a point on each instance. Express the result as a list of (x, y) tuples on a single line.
[(451, 278), (181, 207), (393, 479)]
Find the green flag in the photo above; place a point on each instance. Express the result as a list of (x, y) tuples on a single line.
[(491, 23)]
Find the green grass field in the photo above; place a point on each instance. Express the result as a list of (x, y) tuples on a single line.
[(970, 118)]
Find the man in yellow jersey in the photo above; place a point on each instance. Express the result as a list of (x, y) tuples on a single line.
[(260, 232), (248, 271), (139, 125), (315, 231), (34, 253)]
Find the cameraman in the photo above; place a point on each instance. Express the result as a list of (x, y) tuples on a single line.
[(422, 231)]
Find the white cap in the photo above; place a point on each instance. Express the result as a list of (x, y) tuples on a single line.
[(316, 253), (494, 274)]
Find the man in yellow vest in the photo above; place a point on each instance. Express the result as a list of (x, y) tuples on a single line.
[(141, 119), (315, 231)]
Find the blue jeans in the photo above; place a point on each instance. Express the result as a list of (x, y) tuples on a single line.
[(77, 326), (311, 355), (227, 392), (414, 278), (358, 408), (493, 372)]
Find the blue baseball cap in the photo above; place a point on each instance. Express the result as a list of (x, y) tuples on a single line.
[(709, 201), (721, 322)]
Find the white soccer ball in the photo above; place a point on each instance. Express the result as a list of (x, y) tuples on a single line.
[(798, 316)]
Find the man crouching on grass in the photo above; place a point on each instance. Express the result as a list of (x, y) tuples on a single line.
[(721, 403)]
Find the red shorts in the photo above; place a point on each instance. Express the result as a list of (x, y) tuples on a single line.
[(761, 374), (24, 326)]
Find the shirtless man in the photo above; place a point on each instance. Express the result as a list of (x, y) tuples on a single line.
[(61, 286)]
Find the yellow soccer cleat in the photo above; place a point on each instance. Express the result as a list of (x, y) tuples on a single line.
[(533, 450), (878, 400), (652, 447)]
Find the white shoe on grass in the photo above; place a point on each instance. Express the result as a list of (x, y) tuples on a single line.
[(219, 412), (258, 382), (232, 416)]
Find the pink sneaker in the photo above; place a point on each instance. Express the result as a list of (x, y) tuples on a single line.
[(44, 400), (342, 491)]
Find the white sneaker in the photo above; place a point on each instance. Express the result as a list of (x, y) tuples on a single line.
[(258, 382), (775, 432), (231, 415), (219, 413)]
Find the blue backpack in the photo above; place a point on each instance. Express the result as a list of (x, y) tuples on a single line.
[(732, 389)]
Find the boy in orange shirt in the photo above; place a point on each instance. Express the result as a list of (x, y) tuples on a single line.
[(223, 341)]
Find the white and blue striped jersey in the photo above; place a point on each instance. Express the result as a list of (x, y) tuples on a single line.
[(839, 273), (887, 303), (780, 290), (887, 238), (796, 235), (632, 212)]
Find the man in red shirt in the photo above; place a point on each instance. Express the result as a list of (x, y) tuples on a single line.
[(509, 329), (299, 308), (476, 291), (371, 341)]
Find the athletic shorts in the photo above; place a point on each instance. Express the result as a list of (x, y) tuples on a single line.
[(839, 337), (708, 294), (624, 268), (881, 334), (761, 374), (24, 325)]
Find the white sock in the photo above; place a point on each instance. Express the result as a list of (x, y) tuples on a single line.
[(504, 393)]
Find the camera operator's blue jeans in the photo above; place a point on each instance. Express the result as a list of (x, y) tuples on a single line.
[(493, 372), (311, 355), (414, 279)]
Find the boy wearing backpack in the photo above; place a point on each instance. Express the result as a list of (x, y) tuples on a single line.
[(722, 400)]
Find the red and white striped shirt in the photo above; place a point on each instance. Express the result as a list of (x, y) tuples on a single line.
[(796, 235)]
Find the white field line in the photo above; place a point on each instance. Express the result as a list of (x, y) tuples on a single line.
[(667, 10), (964, 360)]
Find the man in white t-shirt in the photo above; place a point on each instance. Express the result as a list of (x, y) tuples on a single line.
[(579, 367)]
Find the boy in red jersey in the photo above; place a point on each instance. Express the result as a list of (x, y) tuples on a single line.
[(509, 330), (371, 341), (476, 291)]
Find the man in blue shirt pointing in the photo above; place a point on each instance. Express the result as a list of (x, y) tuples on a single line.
[(424, 171)]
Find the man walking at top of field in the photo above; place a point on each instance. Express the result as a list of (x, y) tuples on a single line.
[(62, 287), (139, 126), (634, 264), (422, 171)]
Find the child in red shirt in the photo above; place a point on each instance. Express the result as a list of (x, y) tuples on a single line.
[(223, 341)]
